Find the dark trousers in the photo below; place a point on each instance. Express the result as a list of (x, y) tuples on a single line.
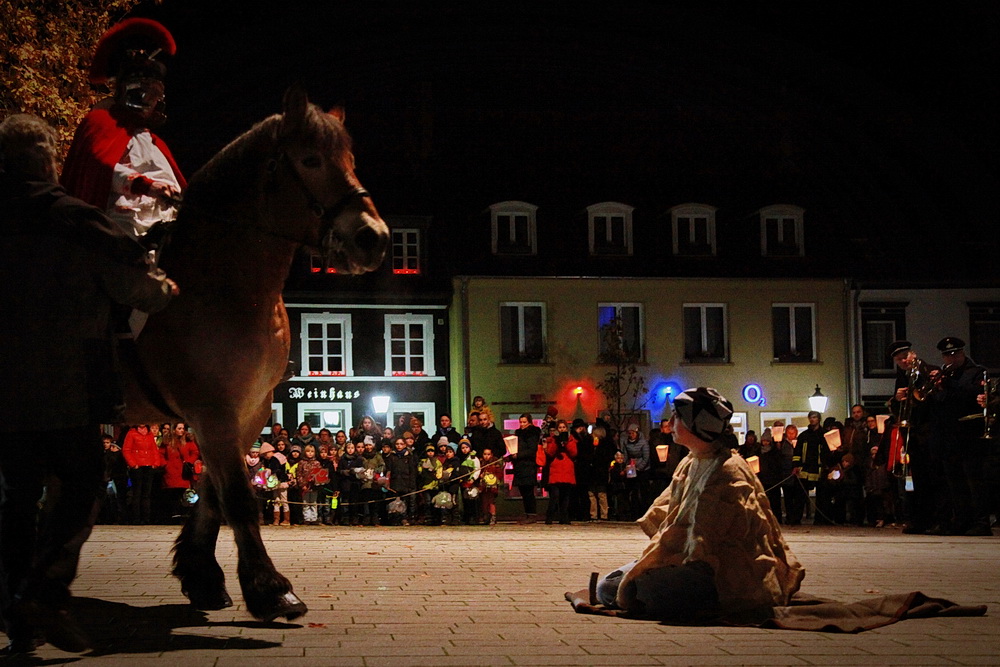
[(797, 499), (560, 496), (140, 497), (40, 551), (528, 497), (965, 466)]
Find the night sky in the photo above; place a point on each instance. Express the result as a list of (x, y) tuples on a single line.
[(887, 115)]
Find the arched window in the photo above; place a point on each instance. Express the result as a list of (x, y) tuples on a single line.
[(514, 228), (693, 229), (781, 231), (610, 228)]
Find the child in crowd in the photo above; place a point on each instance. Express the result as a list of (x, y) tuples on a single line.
[(402, 468), (294, 491), (451, 484), (115, 507), (469, 482), (480, 405), (428, 475), (490, 478), (254, 465), (371, 492), (351, 464), (618, 487), (878, 490), (278, 495), (308, 468), (323, 486)]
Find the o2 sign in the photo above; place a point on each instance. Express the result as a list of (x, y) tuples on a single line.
[(752, 393)]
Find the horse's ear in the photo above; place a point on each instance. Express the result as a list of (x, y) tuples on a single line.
[(295, 104), (338, 113)]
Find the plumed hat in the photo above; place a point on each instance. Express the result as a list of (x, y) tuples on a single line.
[(134, 42), (704, 411)]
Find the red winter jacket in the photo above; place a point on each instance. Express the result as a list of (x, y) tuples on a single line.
[(561, 467), (141, 450), (173, 473)]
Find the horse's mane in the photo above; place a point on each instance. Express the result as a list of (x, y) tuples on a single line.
[(233, 175)]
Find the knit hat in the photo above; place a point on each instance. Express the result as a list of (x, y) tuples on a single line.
[(295, 448), (255, 447), (704, 411), (443, 440), (265, 448), (577, 423)]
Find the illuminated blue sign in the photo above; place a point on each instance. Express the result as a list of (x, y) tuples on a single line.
[(752, 393)]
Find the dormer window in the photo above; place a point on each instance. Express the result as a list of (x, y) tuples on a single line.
[(316, 265), (781, 231), (406, 251), (513, 228), (610, 228), (693, 229)]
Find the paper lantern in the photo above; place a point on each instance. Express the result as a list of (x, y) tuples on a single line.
[(754, 463), (511, 442), (662, 451), (833, 439), (881, 419)]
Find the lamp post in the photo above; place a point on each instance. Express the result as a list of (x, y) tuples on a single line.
[(380, 404), (818, 401)]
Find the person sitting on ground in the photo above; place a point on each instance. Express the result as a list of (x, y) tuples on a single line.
[(716, 548)]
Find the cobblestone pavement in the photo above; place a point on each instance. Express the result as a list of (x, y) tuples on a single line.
[(494, 596)]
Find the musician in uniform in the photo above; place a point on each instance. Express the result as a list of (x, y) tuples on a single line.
[(963, 451), (928, 507)]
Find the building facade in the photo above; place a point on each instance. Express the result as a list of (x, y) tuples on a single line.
[(528, 343), (356, 338)]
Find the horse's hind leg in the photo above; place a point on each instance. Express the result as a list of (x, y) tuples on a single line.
[(202, 580)]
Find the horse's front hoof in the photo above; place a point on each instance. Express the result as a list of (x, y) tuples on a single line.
[(210, 601), (288, 605)]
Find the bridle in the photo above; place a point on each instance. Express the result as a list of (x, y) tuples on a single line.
[(326, 215)]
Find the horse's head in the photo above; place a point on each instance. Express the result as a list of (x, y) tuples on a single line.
[(313, 168)]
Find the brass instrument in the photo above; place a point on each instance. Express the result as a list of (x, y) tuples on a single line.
[(989, 413), (919, 385)]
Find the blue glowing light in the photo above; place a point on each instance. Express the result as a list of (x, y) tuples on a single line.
[(752, 393)]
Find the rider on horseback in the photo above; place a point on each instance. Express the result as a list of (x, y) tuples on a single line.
[(116, 162)]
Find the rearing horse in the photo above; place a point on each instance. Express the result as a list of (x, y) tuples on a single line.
[(217, 352)]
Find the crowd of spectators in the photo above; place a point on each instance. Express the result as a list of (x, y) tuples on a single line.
[(151, 472), (373, 475)]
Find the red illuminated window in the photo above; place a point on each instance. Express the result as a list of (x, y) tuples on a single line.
[(406, 251), (316, 266)]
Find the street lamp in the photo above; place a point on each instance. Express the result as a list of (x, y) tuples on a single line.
[(818, 401), (380, 404)]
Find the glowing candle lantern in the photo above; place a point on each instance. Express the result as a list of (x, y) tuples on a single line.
[(511, 442), (881, 419), (833, 439), (754, 463), (661, 452)]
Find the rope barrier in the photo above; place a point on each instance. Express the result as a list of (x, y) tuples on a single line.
[(382, 500)]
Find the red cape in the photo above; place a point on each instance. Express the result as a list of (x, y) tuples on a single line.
[(98, 145)]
